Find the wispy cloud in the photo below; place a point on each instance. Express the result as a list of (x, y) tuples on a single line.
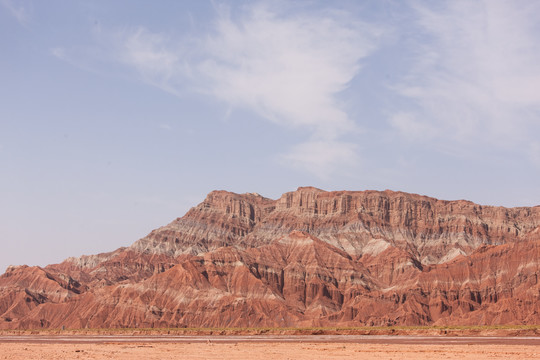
[(472, 81), (154, 56), (18, 10), (288, 69), (322, 157), (476, 75), (412, 127)]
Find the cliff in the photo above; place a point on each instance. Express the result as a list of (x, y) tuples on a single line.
[(309, 258)]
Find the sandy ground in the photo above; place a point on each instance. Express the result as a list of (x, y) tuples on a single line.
[(234, 339), (223, 351)]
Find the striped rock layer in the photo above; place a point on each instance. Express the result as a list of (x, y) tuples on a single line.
[(309, 258)]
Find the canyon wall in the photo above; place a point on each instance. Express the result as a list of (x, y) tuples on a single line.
[(309, 258)]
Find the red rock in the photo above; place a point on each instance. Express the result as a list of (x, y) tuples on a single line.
[(310, 258)]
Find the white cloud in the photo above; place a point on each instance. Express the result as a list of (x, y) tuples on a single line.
[(18, 10), (411, 127), (476, 76), (289, 69), (79, 57), (322, 158), (62, 54), (152, 55)]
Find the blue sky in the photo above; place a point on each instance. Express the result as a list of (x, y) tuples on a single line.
[(118, 116)]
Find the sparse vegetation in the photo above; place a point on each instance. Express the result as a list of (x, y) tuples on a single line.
[(462, 330)]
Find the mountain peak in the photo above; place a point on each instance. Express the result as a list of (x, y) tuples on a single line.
[(309, 188), (311, 257)]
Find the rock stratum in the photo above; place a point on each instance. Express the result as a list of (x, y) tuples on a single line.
[(309, 258)]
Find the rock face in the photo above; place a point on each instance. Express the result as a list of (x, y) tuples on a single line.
[(310, 258)]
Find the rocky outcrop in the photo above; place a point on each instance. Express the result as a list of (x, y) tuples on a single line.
[(309, 258)]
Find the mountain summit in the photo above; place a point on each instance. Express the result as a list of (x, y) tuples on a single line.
[(309, 258)]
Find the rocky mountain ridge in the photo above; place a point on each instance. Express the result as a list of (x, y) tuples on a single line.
[(309, 258)]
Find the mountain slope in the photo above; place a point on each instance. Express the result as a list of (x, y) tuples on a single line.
[(309, 258)]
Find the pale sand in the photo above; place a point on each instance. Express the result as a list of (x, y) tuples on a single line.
[(261, 351)]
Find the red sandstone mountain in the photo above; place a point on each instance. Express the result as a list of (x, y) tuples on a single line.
[(310, 258)]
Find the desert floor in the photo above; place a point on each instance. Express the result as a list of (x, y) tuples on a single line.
[(266, 350)]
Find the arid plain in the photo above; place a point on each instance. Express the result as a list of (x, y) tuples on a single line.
[(209, 350), (491, 344)]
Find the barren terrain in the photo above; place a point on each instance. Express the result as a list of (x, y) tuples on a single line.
[(244, 350), (309, 259)]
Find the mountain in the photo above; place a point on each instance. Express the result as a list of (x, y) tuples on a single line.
[(309, 258)]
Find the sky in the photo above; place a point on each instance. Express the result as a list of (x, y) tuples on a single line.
[(116, 117)]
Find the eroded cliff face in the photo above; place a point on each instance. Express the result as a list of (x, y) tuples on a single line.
[(309, 258)]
